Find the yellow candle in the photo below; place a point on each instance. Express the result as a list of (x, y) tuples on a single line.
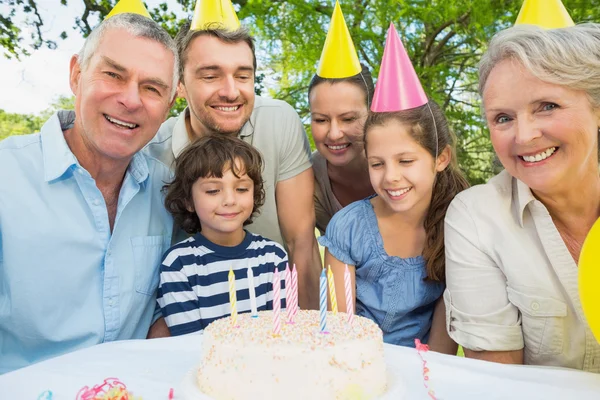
[(332, 291), (232, 298)]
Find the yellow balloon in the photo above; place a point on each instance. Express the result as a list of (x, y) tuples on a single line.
[(589, 279)]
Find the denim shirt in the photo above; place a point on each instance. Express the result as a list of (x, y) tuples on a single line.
[(389, 290)]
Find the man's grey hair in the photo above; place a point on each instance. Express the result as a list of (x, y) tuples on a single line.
[(138, 26), (568, 57)]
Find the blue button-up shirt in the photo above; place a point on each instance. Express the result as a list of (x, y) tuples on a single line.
[(66, 282)]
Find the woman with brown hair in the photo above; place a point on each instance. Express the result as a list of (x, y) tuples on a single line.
[(339, 96)]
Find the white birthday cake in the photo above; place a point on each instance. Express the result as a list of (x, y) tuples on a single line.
[(250, 362)]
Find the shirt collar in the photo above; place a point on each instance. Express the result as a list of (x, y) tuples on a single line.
[(181, 137), (138, 168), (58, 157), (56, 153), (522, 196)]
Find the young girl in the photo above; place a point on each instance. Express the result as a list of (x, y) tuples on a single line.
[(393, 242), (217, 190)]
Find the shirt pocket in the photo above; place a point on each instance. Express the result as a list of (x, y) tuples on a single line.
[(147, 253), (542, 321)]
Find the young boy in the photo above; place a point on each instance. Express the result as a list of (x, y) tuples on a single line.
[(216, 191)]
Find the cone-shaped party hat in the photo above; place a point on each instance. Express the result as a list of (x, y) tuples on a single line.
[(129, 6), (548, 14), (398, 87), (214, 14), (339, 58)]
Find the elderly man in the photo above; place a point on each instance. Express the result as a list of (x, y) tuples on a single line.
[(82, 223), (217, 80)]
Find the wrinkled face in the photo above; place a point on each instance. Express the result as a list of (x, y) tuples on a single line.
[(338, 113), (123, 95), (223, 204), (218, 84), (402, 172), (544, 134)]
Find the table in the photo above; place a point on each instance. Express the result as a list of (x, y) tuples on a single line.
[(150, 368)]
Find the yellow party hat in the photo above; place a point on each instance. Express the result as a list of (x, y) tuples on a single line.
[(214, 14), (339, 58), (548, 14), (129, 6)]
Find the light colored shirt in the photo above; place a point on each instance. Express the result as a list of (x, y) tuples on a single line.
[(326, 204), (275, 130), (66, 282), (194, 280), (390, 290), (511, 281)]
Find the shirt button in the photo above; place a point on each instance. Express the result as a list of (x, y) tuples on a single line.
[(96, 202), (110, 302), (535, 306)]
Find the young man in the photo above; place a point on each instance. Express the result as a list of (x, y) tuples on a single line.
[(217, 80), (82, 221)]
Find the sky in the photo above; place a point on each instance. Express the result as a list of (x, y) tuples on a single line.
[(31, 84)]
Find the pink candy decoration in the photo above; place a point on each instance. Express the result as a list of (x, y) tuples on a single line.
[(398, 86), (423, 348), (111, 388), (348, 289), (276, 302)]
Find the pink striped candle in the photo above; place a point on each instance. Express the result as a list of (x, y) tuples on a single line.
[(288, 289), (276, 302), (294, 300), (348, 287)]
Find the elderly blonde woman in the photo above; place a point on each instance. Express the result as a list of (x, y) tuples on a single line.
[(512, 245)]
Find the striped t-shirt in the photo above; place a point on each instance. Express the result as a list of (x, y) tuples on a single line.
[(194, 286)]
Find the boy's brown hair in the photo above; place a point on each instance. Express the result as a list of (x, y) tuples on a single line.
[(210, 156)]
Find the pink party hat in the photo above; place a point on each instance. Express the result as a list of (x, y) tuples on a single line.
[(398, 86)]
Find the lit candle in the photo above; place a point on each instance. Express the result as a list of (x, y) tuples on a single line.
[(288, 290), (232, 298), (348, 287), (252, 292), (332, 291), (292, 300), (276, 302), (323, 301)]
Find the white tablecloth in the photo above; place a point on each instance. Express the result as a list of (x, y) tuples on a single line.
[(150, 368)]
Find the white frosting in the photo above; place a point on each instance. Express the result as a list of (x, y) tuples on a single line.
[(249, 362)]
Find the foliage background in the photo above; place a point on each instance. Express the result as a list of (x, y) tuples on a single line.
[(444, 38)]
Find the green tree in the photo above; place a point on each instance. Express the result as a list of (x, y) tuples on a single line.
[(444, 38), (18, 124), (22, 124)]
